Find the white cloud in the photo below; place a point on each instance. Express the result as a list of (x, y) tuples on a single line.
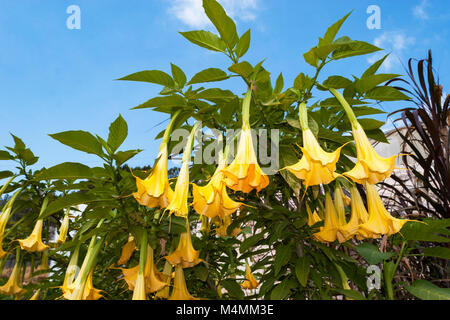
[(419, 10), (191, 12), (394, 42)]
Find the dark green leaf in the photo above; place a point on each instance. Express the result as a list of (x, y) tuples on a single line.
[(80, 140), (223, 23), (66, 170), (332, 31), (374, 68), (214, 94), (178, 75), (123, 156), (282, 257), (151, 76), (5, 174), (353, 48), (243, 68), (302, 270), (438, 252), (233, 288), (205, 39), (337, 82), (118, 132), (69, 200), (426, 290), (4, 155), (369, 82), (167, 101), (243, 44), (209, 75), (386, 93), (279, 84), (372, 254)]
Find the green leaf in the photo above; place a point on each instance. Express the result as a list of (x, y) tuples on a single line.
[(151, 76), (370, 124), (374, 68), (337, 82), (332, 31), (430, 230), (223, 23), (66, 170), (5, 174), (214, 94), (233, 288), (279, 84), (438, 252), (353, 48), (386, 93), (352, 294), (287, 158), (365, 111), (302, 270), (243, 44), (209, 75), (243, 68), (178, 75), (282, 257), (282, 290), (18, 143), (166, 101), (79, 140), (369, 82), (372, 254), (377, 135), (5, 155), (118, 132), (123, 156), (426, 290), (311, 58), (72, 199), (251, 241), (205, 39)]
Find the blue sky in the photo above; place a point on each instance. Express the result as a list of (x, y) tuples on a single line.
[(53, 79)]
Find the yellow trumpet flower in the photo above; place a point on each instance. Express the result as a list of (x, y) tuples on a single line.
[(13, 287), (5, 215), (35, 296), (313, 218), (213, 200), (359, 215), (164, 292), (179, 203), (370, 167), (154, 280), (180, 291), (329, 231), (316, 165), (83, 288), (380, 222), (127, 251), (185, 254), (155, 189), (64, 229), (244, 173), (250, 283), (139, 289), (34, 242), (71, 273)]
